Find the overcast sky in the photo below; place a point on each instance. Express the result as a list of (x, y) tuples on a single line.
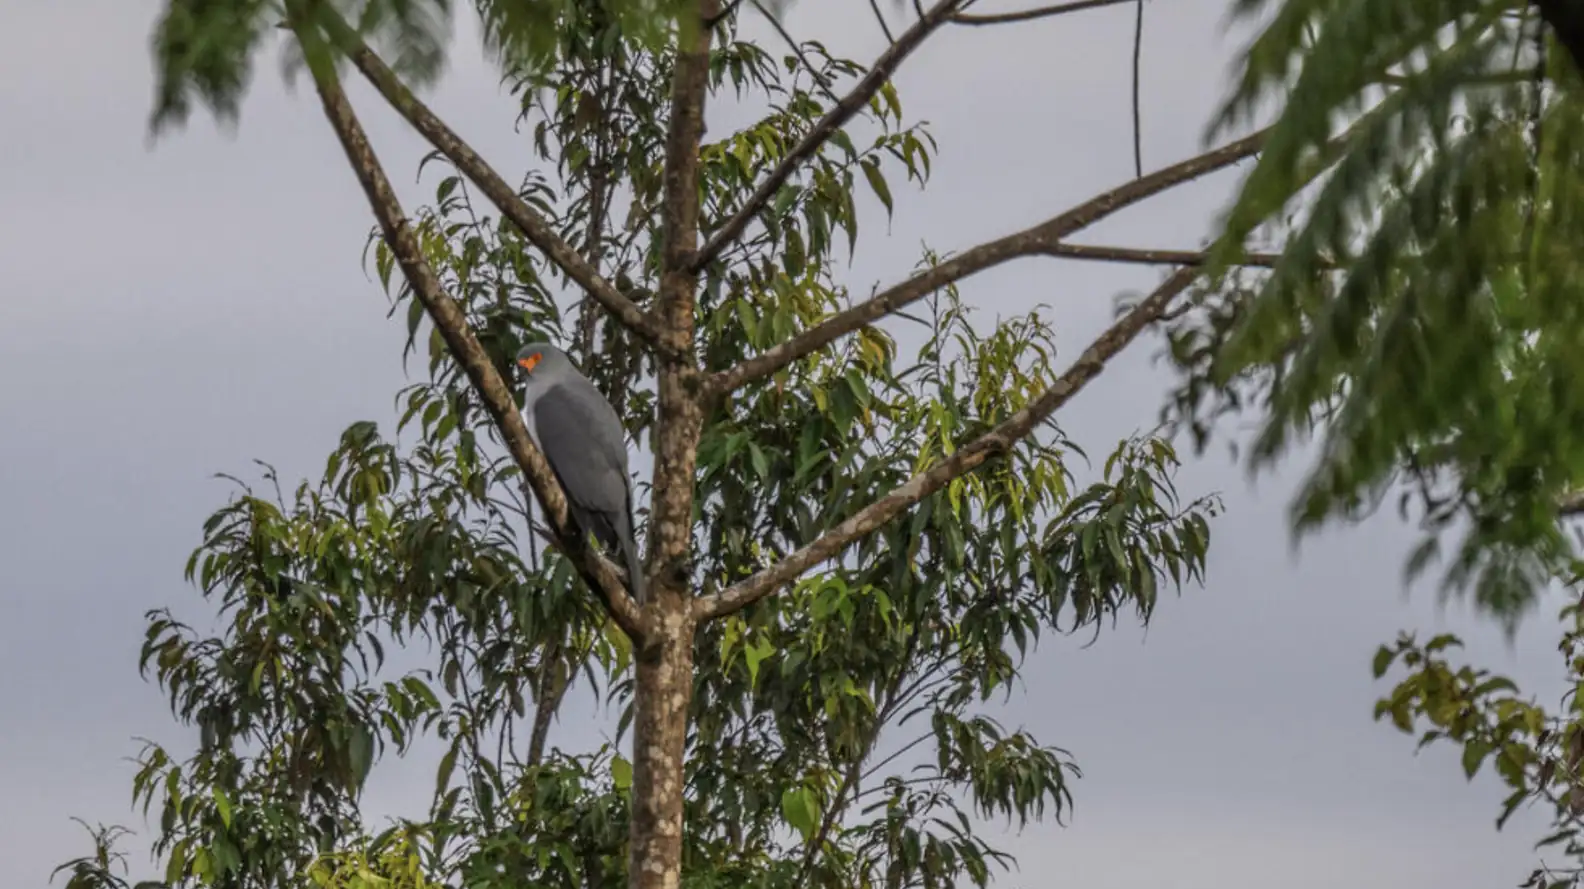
[(175, 312)]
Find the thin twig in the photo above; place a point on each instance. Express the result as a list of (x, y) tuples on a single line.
[(721, 16), (1493, 78), (880, 17), (970, 456), (599, 197), (1006, 18), (834, 119), (1138, 118), (898, 754), (820, 79), (841, 799)]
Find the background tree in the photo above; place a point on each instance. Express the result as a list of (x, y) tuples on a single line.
[(1423, 320), (1536, 751), (843, 538)]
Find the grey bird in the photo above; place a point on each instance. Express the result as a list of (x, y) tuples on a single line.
[(582, 439)]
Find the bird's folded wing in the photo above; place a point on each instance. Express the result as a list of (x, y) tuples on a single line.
[(577, 442)]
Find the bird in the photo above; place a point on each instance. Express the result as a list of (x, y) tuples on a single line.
[(581, 437)]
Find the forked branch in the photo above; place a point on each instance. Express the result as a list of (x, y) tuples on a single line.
[(836, 118), (1044, 239), (602, 576), (533, 225), (969, 457)]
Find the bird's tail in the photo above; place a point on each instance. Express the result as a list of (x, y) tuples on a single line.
[(635, 576)]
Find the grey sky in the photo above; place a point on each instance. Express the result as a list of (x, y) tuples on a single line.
[(179, 312)]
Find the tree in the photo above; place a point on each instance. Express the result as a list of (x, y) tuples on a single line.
[(1536, 751), (1422, 320), (843, 538)]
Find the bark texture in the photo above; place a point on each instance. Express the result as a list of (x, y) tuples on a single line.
[(665, 662), (664, 690)]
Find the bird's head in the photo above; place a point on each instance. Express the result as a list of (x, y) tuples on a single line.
[(541, 360)]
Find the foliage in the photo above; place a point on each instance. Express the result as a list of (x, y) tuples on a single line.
[(1537, 752), (1422, 321), (842, 732), (204, 49)]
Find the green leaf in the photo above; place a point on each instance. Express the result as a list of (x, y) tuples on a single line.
[(801, 810), (754, 654), (176, 864), (877, 182), (1383, 661), (447, 766), (223, 806), (360, 753), (1474, 753), (621, 773)]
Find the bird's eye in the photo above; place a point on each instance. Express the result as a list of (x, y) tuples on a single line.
[(529, 362)]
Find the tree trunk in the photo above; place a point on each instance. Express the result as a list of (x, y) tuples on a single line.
[(664, 691), (665, 659)]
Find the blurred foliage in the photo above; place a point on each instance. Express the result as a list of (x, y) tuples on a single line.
[(1423, 321), (400, 605)]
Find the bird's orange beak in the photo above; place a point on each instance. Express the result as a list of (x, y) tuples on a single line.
[(530, 362)]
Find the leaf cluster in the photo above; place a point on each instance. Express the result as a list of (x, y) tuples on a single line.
[(1422, 321), (1537, 752)]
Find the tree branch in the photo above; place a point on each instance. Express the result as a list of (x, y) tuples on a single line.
[(725, 10), (1153, 257), (997, 441), (533, 226), (601, 575), (882, 70), (549, 690), (1005, 18), (880, 17), (1043, 239), (1138, 115)]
